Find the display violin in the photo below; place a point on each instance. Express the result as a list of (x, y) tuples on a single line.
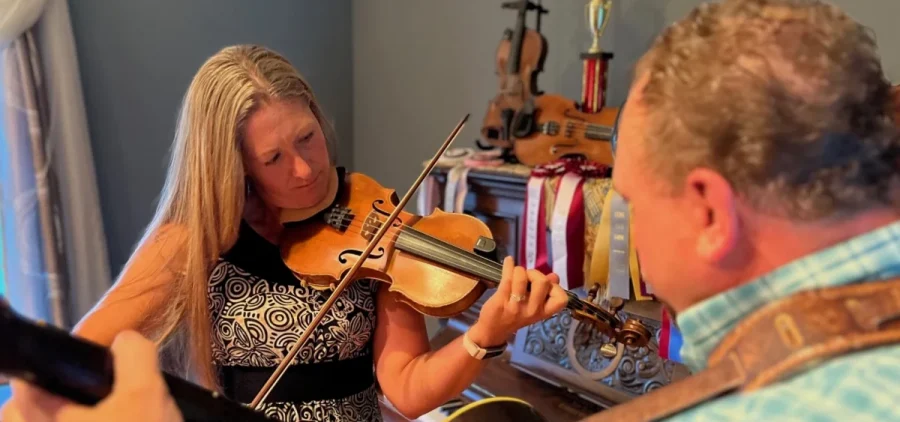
[(82, 371), (520, 58), (439, 264), (562, 129)]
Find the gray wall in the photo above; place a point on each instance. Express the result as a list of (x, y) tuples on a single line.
[(137, 58), (418, 66), (394, 75)]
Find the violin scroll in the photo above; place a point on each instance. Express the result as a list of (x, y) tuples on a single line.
[(634, 333), (629, 332)]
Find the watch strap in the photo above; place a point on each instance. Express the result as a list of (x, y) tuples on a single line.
[(479, 352)]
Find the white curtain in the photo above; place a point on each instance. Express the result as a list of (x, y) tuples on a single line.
[(16, 16), (54, 255)]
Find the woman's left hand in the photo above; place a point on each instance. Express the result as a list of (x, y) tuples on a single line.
[(514, 306)]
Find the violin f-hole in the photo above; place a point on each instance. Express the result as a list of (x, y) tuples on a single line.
[(375, 254)]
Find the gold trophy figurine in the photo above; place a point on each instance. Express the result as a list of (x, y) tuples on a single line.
[(598, 17)]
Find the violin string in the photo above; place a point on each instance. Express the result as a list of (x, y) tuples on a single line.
[(357, 227), (484, 264), (475, 265), (497, 268), (478, 262), (576, 123), (393, 233), (487, 266), (587, 130)]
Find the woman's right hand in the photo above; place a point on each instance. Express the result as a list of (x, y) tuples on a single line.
[(139, 392)]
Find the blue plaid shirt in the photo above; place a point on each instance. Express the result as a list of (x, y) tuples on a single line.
[(863, 386)]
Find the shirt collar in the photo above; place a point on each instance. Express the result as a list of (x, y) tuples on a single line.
[(871, 256)]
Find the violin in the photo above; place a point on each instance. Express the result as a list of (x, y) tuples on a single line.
[(520, 58), (438, 264), (82, 371), (562, 129)]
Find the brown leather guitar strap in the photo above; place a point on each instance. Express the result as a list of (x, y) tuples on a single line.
[(777, 341)]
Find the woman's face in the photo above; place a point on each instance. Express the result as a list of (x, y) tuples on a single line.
[(286, 155)]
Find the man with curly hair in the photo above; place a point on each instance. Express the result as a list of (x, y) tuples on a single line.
[(758, 153)]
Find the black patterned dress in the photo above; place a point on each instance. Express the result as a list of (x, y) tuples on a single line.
[(259, 311)]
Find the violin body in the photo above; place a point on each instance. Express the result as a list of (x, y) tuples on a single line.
[(320, 250), (438, 264), (562, 129), (520, 58)]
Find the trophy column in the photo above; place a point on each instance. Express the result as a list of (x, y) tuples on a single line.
[(593, 81), (595, 61)]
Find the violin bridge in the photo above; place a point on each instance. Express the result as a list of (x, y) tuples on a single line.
[(371, 226)]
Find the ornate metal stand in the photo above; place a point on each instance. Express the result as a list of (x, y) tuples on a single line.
[(563, 352)]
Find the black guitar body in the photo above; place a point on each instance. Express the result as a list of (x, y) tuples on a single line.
[(82, 371)]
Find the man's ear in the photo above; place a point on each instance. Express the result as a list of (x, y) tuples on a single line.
[(713, 213)]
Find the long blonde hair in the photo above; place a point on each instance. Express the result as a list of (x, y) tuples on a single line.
[(205, 190)]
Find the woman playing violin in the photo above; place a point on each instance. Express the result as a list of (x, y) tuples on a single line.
[(208, 284)]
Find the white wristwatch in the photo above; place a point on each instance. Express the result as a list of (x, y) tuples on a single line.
[(479, 352)]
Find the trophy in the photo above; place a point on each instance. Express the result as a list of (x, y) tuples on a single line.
[(598, 17), (596, 61)]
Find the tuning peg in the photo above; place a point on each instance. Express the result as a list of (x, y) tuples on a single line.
[(634, 333)]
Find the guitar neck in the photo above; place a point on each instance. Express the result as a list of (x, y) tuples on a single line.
[(82, 371)]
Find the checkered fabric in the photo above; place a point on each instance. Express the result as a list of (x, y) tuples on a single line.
[(862, 386)]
